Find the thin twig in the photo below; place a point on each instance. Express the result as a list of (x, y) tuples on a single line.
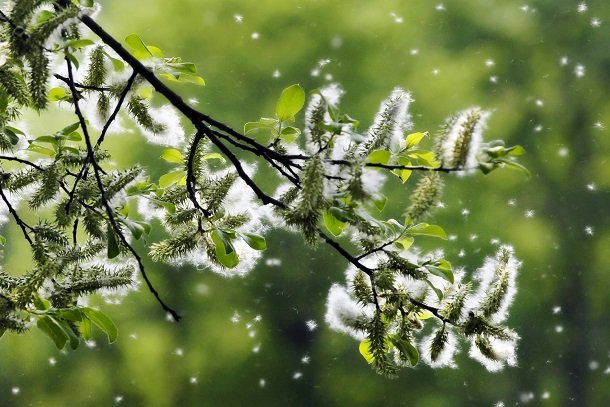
[(109, 210), (24, 226)]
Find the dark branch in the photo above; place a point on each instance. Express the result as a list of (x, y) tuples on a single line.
[(109, 211)]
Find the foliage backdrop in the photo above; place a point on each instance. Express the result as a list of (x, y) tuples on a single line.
[(542, 66)]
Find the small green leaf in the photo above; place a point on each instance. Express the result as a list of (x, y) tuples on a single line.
[(426, 158), (53, 329), (15, 130), (183, 67), (516, 150), (289, 134), (173, 156), (2, 240), (439, 293), (424, 314), (117, 64), (341, 214), (41, 150), (140, 50), (57, 94), (171, 178), (380, 201), (365, 351), (214, 156), (441, 272), (102, 321), (334, 225), (184, 78), (12, 137), (70, 129), (516, 166), (378, 157), (413, 139), (290, 103), (261, 124), (79, 43), (46, 139), (155, 51), (407, 349), (85, 328), (427, 230), (41, 304), (71, 314), (137, 229), (113, 245), (255, 241), (224, 250), (72, 58), (74, 340), (404, 243)]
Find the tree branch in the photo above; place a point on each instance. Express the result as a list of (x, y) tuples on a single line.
[(109, 211)]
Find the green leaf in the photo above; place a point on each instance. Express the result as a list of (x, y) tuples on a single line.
[(85, 328), (380, 201), (182, 67), (289, 134), (155, 51), (140, 50), (173, 156), (41, 150), (74, 340), (441, 269), (334, 225), (214, 156), (413, 139), (113, 245), (79, 43), (46, 139), (71, 314), (365, 351), (257, 242), (102, 321), (427, 230), (12, 137), (2, 240), (137, 229), (72, 58), (378, 157), (146, 92), (171, 178), (427, 158), (57, 94), (53, 329), (516, 150), (403, 174), (224, 250), (15, 130), (41, 304), (407, 349), (516, 166), (184, 78), (290, 103), (439, 293), (404, 243), (341, 214), (263, 123), (70, 129), (117, 64), (74, 136)]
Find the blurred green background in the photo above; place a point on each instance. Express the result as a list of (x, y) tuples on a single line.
[(542, 66)]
